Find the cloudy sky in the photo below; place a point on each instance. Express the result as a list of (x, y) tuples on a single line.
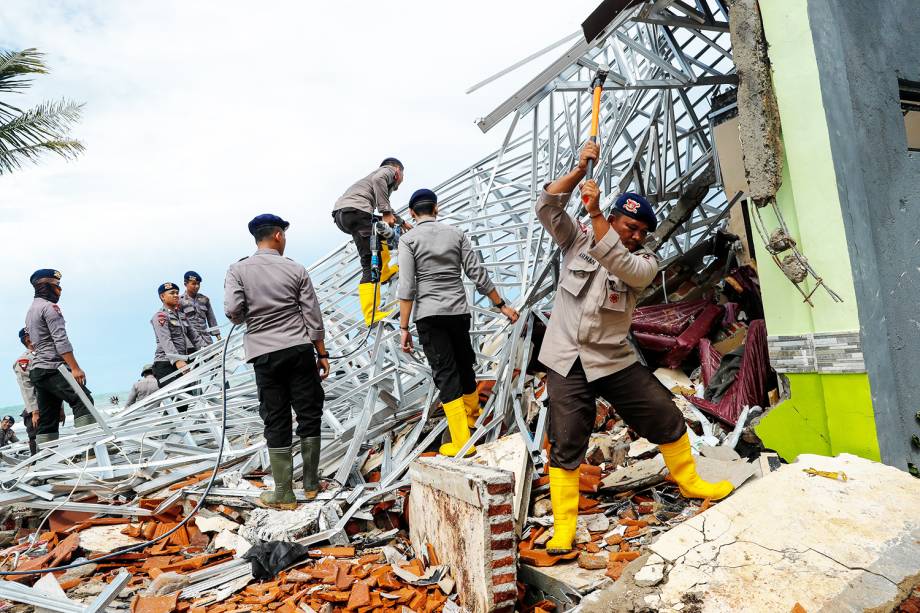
[(201, 114)]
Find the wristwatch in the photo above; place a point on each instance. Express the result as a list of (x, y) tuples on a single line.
[(322, 356), (501, 304)]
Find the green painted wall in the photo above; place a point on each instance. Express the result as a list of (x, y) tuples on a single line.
[(826, 413), (808, 199)]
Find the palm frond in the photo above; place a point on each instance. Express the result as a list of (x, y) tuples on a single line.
[(44, 128), (16, 68)]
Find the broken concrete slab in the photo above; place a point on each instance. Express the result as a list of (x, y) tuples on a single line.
[(464, 511), (720, 452), (642, 474), (272, 525), (735, 471), (830, 545), (215, 523), (104, 539), (642, 447), (510, 453)]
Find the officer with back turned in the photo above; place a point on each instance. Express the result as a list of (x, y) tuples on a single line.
[(273, 295)]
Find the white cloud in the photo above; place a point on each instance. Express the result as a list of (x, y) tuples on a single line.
[(201, 114)]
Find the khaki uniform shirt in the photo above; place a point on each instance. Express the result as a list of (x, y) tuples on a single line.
[(199, 311), (141, 389), (176, 337), (373, 191), (46, 328), (598, 287), (26, 388), (432, 258), (275, 298)]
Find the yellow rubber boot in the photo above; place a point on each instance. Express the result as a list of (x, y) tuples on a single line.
[(366, 293), (473, 410), (386, 271), (680, 463), (563, 493), (455, 411)]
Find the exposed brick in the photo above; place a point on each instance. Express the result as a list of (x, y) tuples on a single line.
[(503, 544), (504, 597), (500, 488), (506, 578), (500, 509), (502, 527), (508, 561)]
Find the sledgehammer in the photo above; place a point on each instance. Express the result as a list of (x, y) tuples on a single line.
[(597, 84)]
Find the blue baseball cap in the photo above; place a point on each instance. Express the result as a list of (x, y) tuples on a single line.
[(636, 206), (44, 273), (422, 196), (188, 276), (22, 336), (266, 219)]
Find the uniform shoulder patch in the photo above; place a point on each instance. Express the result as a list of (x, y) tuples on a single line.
[(161, 318), (57, 309)]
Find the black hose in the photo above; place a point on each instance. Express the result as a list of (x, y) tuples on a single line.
[(139, 546)]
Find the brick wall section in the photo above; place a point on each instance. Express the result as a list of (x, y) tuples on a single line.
[(447, 492)]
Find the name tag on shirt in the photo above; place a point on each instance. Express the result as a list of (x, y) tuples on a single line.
[(587, 258)]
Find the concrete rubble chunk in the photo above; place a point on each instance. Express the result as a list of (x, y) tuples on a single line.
[(273, 525), (637, 476), (465, 512), (832, 545)]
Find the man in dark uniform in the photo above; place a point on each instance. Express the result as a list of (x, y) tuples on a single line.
[(432, 258), (175, 336), (198, 309), (604, 268), (273, 295), (353, 214), (46, 329)]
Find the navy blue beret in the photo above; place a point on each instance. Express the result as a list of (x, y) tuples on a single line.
[(22, 336), (191, 275), (167, 287), (422, 196), (636, 206), (266, 219), (391, 162), (45, 273)]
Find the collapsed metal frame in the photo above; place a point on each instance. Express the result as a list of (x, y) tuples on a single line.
[(667, 59)]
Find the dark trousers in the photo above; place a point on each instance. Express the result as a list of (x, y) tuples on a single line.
[(161, 370), (638, 397), (288, 378), (51, 391), (31, 430), (359, 225), (445, 340)]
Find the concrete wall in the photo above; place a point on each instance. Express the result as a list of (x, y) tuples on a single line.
[(862, 48)]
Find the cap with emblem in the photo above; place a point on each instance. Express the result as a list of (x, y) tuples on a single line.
[(422, 196), (167, 287), (44, 273), (633, 205), (266, 219), (191, 275)]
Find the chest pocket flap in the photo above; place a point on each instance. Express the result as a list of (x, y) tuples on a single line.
[(577, 273)]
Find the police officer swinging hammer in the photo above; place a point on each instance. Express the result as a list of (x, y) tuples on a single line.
[(273, 295), (604, 267), (431, 259)]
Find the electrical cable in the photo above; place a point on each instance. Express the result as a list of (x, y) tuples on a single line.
[(370, 327), (194, 511)]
